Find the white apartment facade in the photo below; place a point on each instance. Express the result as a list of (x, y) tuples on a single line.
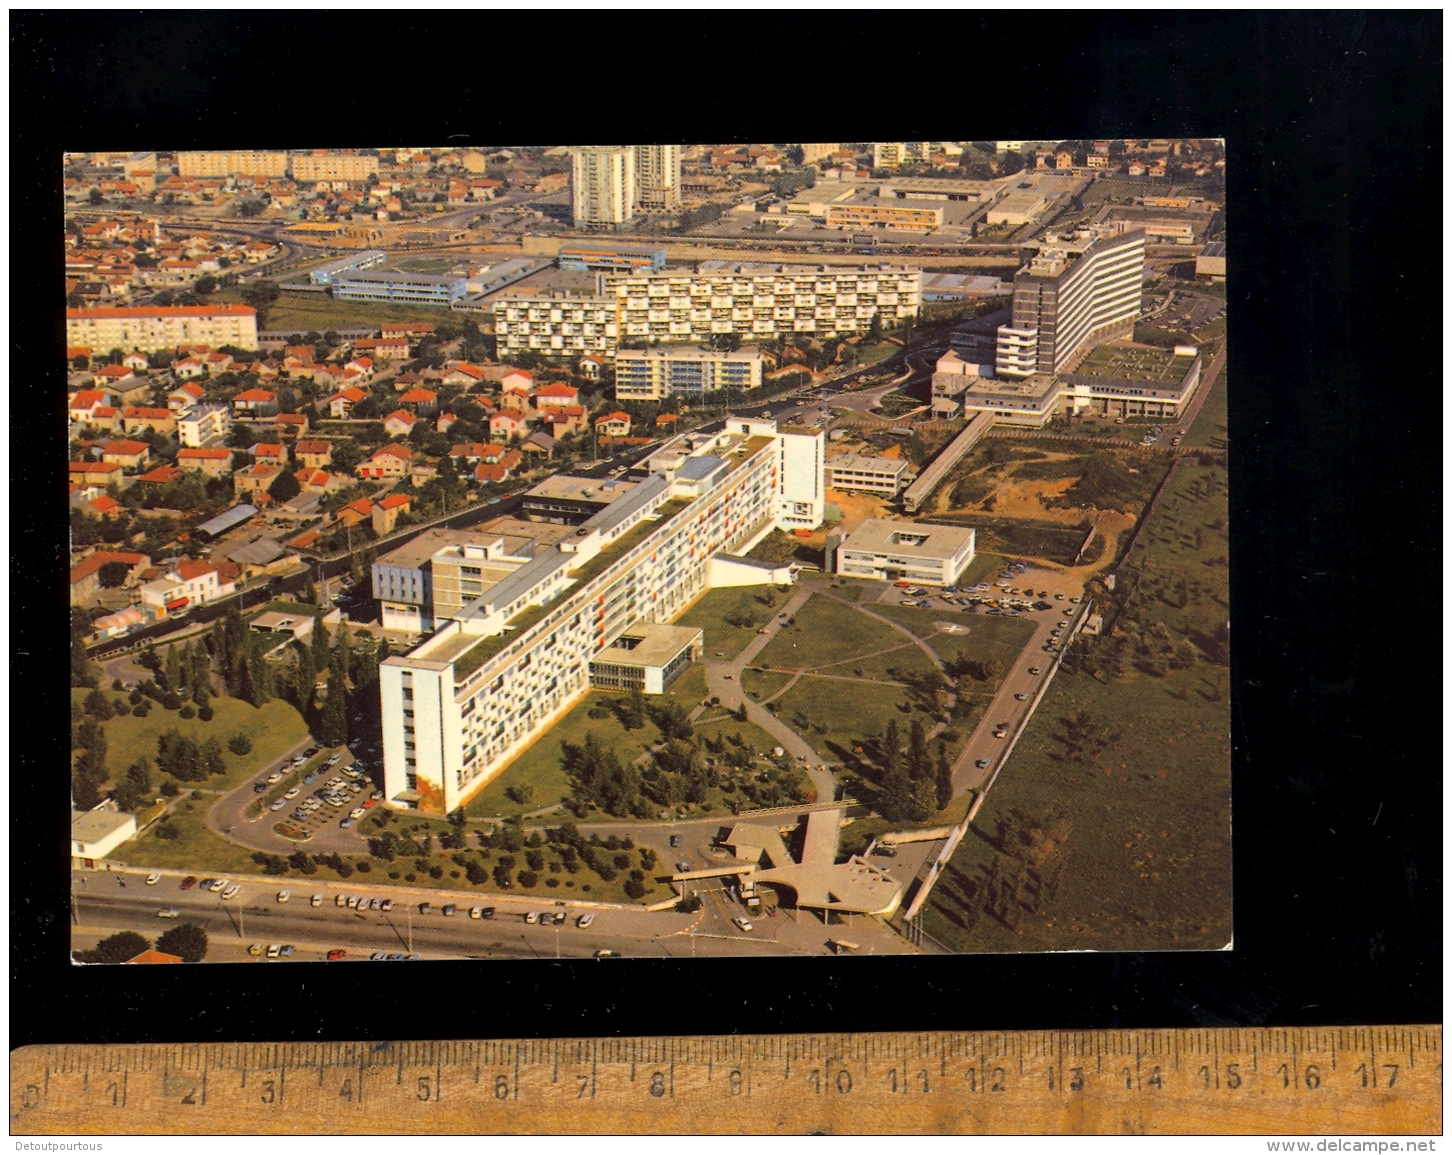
[(203, 426), (603, 186), (234, 162), (885, 475), (308, 168), (512, 660), (658, 177), (556, 326), (652, 374), (157, 327), (884, 550)]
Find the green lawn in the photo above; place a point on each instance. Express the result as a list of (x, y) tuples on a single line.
[(274, 729), (198, 849), (829, 634), (840, 715), (1145, 859), (1129, 831), (1212, 425), (307, 312), (983, 567), (762, 684), (710, 611), (995, 638)]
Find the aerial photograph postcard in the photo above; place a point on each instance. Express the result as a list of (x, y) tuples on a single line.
[(648, 550)]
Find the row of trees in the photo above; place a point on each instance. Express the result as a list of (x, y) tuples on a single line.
[(187, 941), (913, 785)]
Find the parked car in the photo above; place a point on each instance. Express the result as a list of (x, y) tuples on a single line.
[(606, 952), (584, 920), (256, 949), (274, 950), (742, 923), (216, 884), (231, 892), (386, 904), (531, 917), (425, 907), (449, 909), (168, 912), (274, 778), (153, 878), (287, 950), (188, 882), (316, 900), (337, 953)]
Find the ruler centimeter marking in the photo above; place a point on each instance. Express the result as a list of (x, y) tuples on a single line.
[(1041, 1082)]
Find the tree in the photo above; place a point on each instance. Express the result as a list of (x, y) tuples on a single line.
[(113, 574), (284, 487), (117, 948), (260, 294), (239, 744), (135, 788), (333, 725), (633, 716), (306, 678), (84, 672), (944, 778), (919, 764), (188, 942), (206, 284), (895, 800)]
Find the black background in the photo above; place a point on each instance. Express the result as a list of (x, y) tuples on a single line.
[(1334, 132)]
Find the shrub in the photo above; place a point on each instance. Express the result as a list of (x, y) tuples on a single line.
[(552, 881), (634, 888), (117, 684), (195, 796), (121, 709), (456, 874), (436, 872), (206, 713), (528, 878), (239, 744), (143, 708), (188, 712), (345, 870), (170, 789), (393, 874), (584, 886), (364, 867), (135, 697)]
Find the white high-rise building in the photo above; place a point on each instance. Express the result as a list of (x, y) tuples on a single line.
[(532, 636), (658, 177), (603, 186)]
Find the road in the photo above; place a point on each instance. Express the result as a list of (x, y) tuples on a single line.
[(255, 916)]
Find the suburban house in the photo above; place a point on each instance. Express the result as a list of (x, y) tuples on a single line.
[(463, 374), (520, 381), (340, 404), (556, 396), (355, 513), (290, 425), (568, 420), (590, 366), (204, 426), (184, 397), (444, 422), (255, 480), (313, 454), (385, 512), (212, 462), (423, 402), (538, 444), (86, 402), (407, 329), (127, 454), (269, 453), (190, 583), (254, 403), (507, 423), (101, 473), (134, 417), (615, 424), (86, 575), (399, 423), (387, 461), (160, 475)]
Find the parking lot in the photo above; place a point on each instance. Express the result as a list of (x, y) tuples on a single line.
[(1003, 596)]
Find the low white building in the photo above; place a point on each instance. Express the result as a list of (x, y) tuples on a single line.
[(95, 833), (204, 426), (885, 475), (884, 550)]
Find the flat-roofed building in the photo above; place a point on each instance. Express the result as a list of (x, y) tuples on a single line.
[(885, 215), (658, 177), (162, 327), (567, 500), (234, 162), (1211, 261), (884, 550), (603, 186), (1080, 292), (652, 374), (392, 286), (204, 426), (555, 325), (95, 833), (884, 475), (312, 167), (509, 662), (325, 274), (584, 256), (647, 657)]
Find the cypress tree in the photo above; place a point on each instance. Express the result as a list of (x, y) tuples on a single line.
[(944, 777)]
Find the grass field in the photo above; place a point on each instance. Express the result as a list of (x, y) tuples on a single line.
[(307, 312), (1110, 827), (762, 684), (992, 638), (1212, 425), (196, 849), (274, 729), (981, 569), (711, 610)]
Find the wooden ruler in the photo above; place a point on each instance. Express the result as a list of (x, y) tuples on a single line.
[(1335, 1080)]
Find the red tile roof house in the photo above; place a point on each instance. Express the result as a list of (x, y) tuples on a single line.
[(384, 348), (408, 329), (187, 368), (388, 461), (85, 575), (127, 454), (444, 422), (313, 454), (615, 424), (255, 480), (385, 513), (255, 403), (160, 475), (507, 423), (135, 417), (491, 473), (212, 462), (362, 365), (423, 402), (101, 473), (556, 396), (340, 404), (399, 424), (290, 425), (136, 361), (520, 381), (567, 421), (355, 512), (184, 397), (269, 453), (463, 374), (86, 401)]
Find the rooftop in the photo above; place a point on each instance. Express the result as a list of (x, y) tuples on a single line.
[(564, 486), (883, 535), (648, 644), (1135, 363)]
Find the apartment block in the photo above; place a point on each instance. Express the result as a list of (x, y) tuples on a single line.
[(603, 186), (157, 327), (1070, 296), (658, 177), (411, 288), (651, 374), (518, 650), (762, 300), (310, 167), (554, 325), (236, 162), (203, 426), (885, 475)]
